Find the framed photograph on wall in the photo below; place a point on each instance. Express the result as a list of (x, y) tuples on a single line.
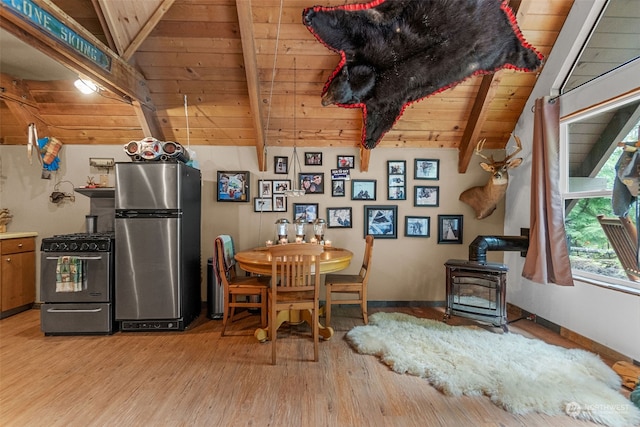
[(417, 226), (312, 183), (346, 162), (339, 217), (281, 185), (233, 186), (337, 188), (450, 229), (426, 195), (280, 165), (396, 182), (306, 211), (312, 159), (381, 221), (427, 169), (279, 203), (363, 189), (262, 204), (265, 188)]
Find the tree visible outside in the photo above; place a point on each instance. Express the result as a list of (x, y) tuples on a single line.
[(589, 248)]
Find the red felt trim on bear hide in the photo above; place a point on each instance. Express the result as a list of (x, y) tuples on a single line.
[(363, 6)]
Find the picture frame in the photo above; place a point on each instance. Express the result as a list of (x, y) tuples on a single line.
[(307, 211), (265, 188), (363, 189), (450, 229), (346, 162), (233, 186), (427, 169), (337, 187), (280, 165), (417, 226), (339, 217), (312, 183), (279, 203), (426, 195), (262, 204), (281, 185), (381, 221), (396, 180), (312, 159)]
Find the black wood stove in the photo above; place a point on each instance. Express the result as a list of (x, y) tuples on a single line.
[(476, 288)]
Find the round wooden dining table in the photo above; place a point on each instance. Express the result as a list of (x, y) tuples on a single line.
[(258, 261)]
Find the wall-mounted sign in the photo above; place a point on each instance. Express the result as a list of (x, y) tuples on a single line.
[(340, 174), (44, 21)]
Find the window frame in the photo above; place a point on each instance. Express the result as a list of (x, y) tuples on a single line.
[(609, 91)]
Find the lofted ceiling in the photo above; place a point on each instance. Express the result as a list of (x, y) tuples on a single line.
[(215, 67)]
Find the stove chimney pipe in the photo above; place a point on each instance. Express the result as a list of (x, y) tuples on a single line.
[(479, 247)]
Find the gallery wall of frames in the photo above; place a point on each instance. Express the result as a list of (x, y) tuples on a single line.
[(368, 197)]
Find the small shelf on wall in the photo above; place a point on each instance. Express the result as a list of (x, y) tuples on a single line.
[(97, 192)]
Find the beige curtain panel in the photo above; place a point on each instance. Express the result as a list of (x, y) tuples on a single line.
[(548, 256)]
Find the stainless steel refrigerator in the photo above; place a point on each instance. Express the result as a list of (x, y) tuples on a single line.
[(157, 245)]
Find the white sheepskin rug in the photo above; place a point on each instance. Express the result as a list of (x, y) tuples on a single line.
[(519, 374)]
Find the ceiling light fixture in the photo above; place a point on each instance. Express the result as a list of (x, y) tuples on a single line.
[(86, 86)]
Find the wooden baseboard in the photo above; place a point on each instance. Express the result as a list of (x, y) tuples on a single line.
[(593, 346)]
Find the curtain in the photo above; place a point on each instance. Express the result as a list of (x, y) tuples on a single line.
[(548, 256)]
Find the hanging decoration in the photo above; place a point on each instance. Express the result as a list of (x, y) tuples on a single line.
[(295, 190), (394, 53)]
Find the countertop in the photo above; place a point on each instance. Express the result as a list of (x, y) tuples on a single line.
[(17, 234)]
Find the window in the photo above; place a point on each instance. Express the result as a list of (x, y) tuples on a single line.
[(600, 107), (589, 157)]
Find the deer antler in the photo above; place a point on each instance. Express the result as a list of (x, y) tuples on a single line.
[(518, 149), (479, 148)]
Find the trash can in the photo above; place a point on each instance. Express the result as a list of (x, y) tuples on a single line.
[(214, 294)]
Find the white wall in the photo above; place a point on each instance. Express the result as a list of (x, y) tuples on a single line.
[(609, 317), (405, 269)]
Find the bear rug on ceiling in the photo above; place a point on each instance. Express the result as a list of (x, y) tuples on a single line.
[(518, 374), (396, 52)]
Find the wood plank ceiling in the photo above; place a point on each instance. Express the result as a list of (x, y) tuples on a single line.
[(221, 59)]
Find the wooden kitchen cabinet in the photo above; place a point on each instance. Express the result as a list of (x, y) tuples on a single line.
[(17, 275)]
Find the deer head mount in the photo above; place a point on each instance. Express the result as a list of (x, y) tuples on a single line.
[(484, 199)]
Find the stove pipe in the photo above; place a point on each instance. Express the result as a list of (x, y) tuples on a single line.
[(479, 247)]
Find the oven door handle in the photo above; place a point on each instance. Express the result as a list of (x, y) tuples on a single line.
[(82, 258), (61, 310)]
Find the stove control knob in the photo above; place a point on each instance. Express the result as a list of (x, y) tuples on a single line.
[(62, 246), (93, 246), (73, 246), (84, 246), (54, 246)]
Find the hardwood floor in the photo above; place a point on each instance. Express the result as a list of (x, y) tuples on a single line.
[(197, 378)]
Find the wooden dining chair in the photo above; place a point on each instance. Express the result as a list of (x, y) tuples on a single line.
[(295, 279), (238, 292), (353, 284)]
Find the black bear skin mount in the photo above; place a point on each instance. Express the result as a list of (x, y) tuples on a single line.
[(396, 52)]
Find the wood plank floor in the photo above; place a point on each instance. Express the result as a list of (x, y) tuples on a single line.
[(197, 378)]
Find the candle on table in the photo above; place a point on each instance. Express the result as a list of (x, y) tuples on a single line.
[(327, 243), (314, 240), (269, 243), (298, 239)]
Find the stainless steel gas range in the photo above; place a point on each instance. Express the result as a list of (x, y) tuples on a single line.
[(76, 284)]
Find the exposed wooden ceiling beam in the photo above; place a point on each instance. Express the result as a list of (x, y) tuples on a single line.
[(104, 25), (479, 111), (131, 22), (245, 21), (120, 78), (365, 155), (15, 93)]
